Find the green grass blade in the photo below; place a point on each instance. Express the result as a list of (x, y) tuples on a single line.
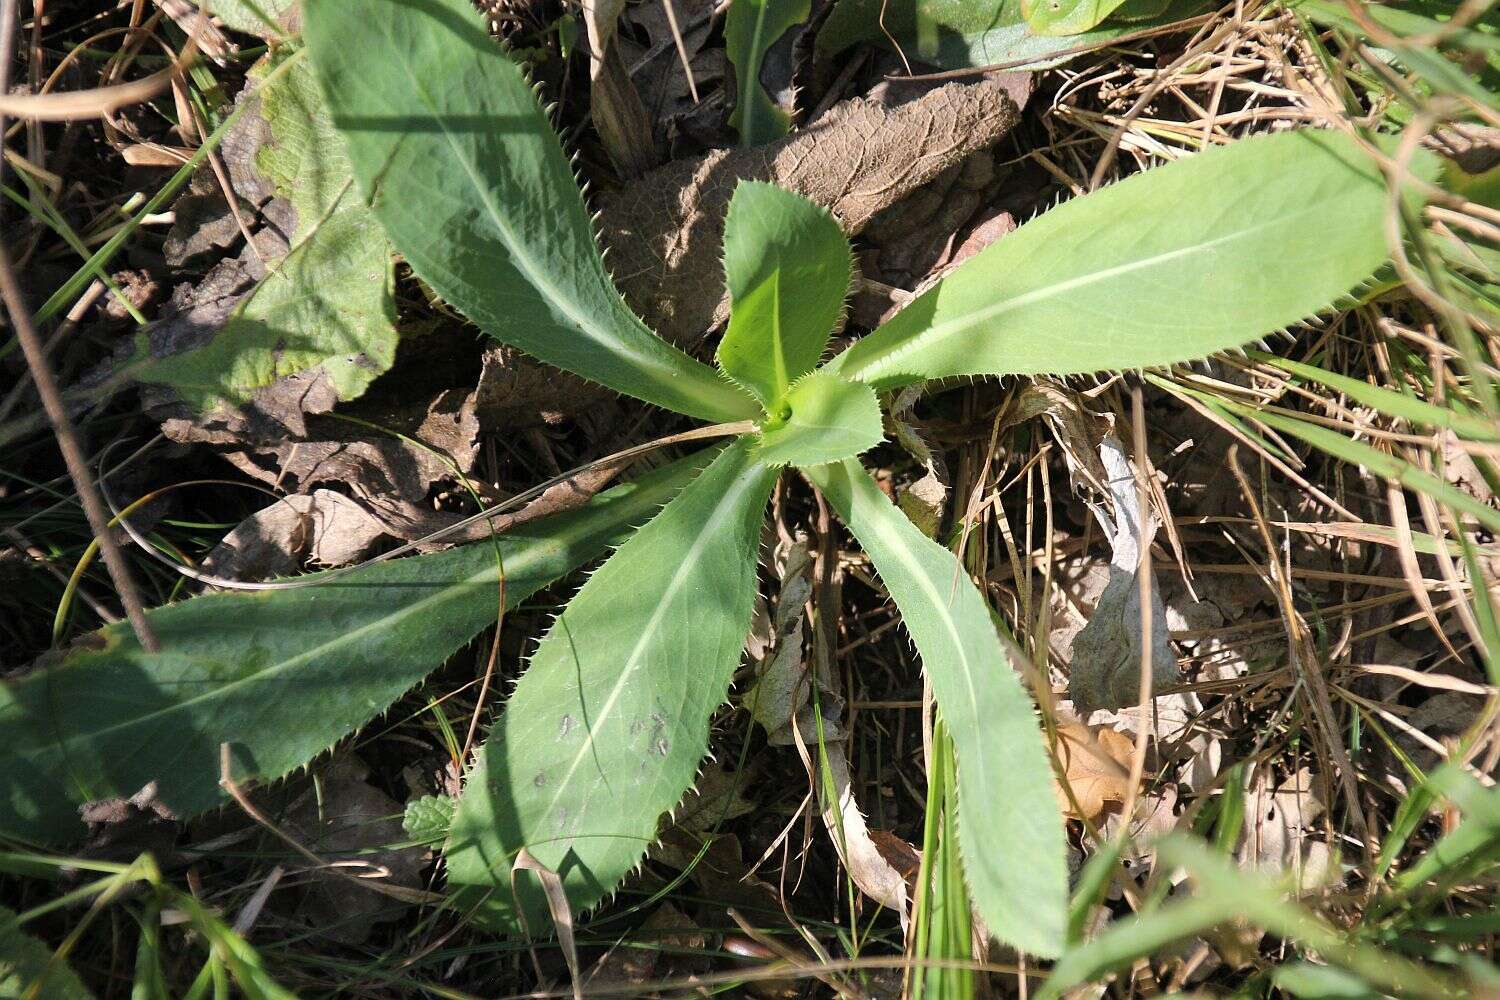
[(1382, 464), (1224, 893), (1266, 904), (1485, 615), (1125, 940), (1478, 832), (750, 29), (1010, 831), (1308, 981), (1093, 883), (607, 727), (463, 169), (787, 266), (280, 675), (1388, 401), (1125, 278)]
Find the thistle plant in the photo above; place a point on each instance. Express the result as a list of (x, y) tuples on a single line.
[(605, 731)]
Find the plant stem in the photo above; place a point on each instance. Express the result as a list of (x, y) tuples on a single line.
[(46, 387)]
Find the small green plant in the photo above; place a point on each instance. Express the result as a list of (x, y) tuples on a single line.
[(605, 732), (607, 728)]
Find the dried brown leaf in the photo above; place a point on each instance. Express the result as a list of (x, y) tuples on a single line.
[(1096, 762), (665, 231)]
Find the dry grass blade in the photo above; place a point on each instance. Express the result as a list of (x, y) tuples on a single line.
[(100, 102), (1322, 585), (396, 892), (562, 913)]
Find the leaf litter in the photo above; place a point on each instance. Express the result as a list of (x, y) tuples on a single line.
[(1222, 627)]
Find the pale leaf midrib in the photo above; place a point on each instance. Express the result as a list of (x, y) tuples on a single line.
[(535, 274), (962, 324), (728, 504), (512, 570)]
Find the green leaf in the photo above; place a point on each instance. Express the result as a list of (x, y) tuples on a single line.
[(1066, 17), (1381, 463), (953, 34), (1009, 829), (1125, 278), (428, 818), (750, 29), (466, 174), (1389, 401), (823, 419), (607, 727), (269, 19), (788, 267), (329, 302), (24, 959), (280, 675)]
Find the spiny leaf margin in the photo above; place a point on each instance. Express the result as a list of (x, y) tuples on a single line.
[(607, 727), (464, 170), (1010, 831), (280, 675)]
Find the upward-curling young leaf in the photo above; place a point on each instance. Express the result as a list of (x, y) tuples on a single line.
[(607, 727), (787, 267), (464, 171), (1170, 265), (823, 419), (1009, 830), (279, 675)]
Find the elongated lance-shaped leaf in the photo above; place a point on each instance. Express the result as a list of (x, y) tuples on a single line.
[(750, 29), (826, 419), (279, 675), (1009, 830), (607, 727), (787, 266), (466, 174), (1170, 265)]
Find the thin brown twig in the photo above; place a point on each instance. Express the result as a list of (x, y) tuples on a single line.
[(1143, 581), (489, 673), (230, 786), (99, 102), (682, 54), (52, 403)]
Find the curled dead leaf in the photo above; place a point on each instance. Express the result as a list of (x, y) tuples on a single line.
[(1096, 763)]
